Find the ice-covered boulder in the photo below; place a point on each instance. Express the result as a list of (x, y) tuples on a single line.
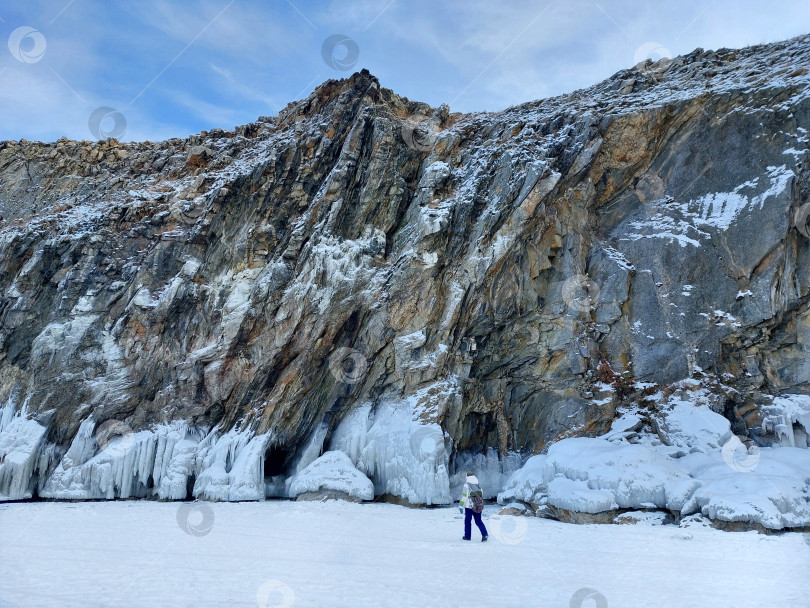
[(772, 489), (720, 477), (332, 474), (651, 518), (526, 484), (514, 508), (592, 475)]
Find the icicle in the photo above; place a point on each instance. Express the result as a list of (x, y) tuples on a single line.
[(399, 454), (231, 467), (21, 442), (312, 450), (492, 470)]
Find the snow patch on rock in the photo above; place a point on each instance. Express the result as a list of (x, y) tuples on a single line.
[(693, 426)]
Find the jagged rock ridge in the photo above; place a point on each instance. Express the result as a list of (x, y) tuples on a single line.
[(425, 291)]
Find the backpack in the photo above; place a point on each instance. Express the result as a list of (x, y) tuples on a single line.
[(476, 497)]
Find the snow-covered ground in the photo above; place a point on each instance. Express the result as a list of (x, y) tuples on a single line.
[(326, 554)]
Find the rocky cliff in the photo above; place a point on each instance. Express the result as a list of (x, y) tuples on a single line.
[(424, 290)]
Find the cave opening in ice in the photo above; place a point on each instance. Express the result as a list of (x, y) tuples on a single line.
[(275, 461), (480, 429), (190, 480)]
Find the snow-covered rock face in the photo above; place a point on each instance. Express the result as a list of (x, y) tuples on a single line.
[(316, 281)]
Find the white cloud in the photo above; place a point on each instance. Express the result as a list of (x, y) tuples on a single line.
[(238, 32)]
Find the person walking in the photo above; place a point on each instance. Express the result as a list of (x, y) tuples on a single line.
[(472, 504)]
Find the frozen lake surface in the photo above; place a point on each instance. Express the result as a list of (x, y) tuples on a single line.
[(298, 554)]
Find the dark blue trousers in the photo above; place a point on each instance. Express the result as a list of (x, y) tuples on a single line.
[(468, 515)]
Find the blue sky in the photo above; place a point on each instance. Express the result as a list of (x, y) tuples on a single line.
[(176, 67)]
